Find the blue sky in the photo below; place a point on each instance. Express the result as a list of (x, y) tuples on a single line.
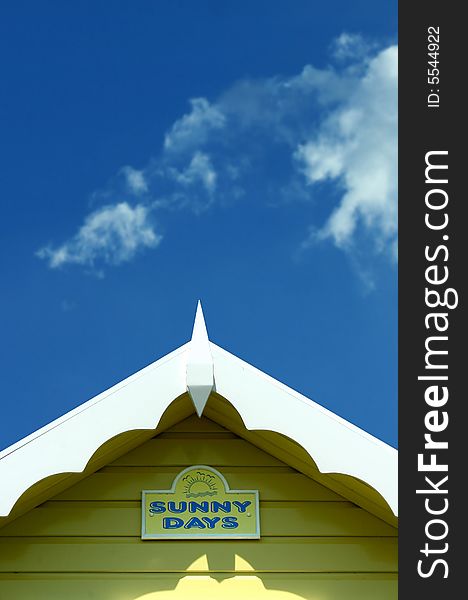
[(157, 152)]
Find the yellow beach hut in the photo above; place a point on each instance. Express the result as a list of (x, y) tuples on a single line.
[(198, 477)]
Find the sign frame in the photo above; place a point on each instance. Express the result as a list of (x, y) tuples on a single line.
[(199, 536)]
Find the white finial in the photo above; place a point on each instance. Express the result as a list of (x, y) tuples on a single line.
[(200, 379)]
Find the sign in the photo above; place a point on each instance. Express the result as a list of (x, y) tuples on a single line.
[(200, 505)]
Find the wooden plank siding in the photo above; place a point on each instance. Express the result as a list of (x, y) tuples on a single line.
[(85, 542)]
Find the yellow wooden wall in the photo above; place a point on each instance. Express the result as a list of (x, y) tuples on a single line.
[(85, 543)]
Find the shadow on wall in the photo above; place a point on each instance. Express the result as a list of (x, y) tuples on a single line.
[(212, 587)]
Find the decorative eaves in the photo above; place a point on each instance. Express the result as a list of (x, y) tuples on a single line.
[(138, 403)]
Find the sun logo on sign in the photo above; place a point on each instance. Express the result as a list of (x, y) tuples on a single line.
[(199, 485)]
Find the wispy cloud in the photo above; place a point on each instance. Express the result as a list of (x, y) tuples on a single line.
[(195, 127), (278, 139), (351, 46), (356, 146), (200, 169), (135, 179), (111, 235)]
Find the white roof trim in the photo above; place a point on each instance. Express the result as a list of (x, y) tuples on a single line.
[(200, 380), (67, 444), (335, 445), (138, 402)]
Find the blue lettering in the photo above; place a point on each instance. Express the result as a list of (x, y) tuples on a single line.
[(202, 507), (157, 507), (224, 506), (211, 522), (242, 505), (194, 522), (230, 523), (171, 507), (172, 523)]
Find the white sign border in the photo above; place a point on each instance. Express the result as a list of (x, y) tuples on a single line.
[(194, 536)]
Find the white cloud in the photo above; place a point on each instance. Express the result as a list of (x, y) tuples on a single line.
[(135, 180), (350, 46), (275, 139), (200, 170), (356, 146), (195, 127), (113, 234)]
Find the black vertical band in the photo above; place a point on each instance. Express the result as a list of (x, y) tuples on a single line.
[(432, 330)]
